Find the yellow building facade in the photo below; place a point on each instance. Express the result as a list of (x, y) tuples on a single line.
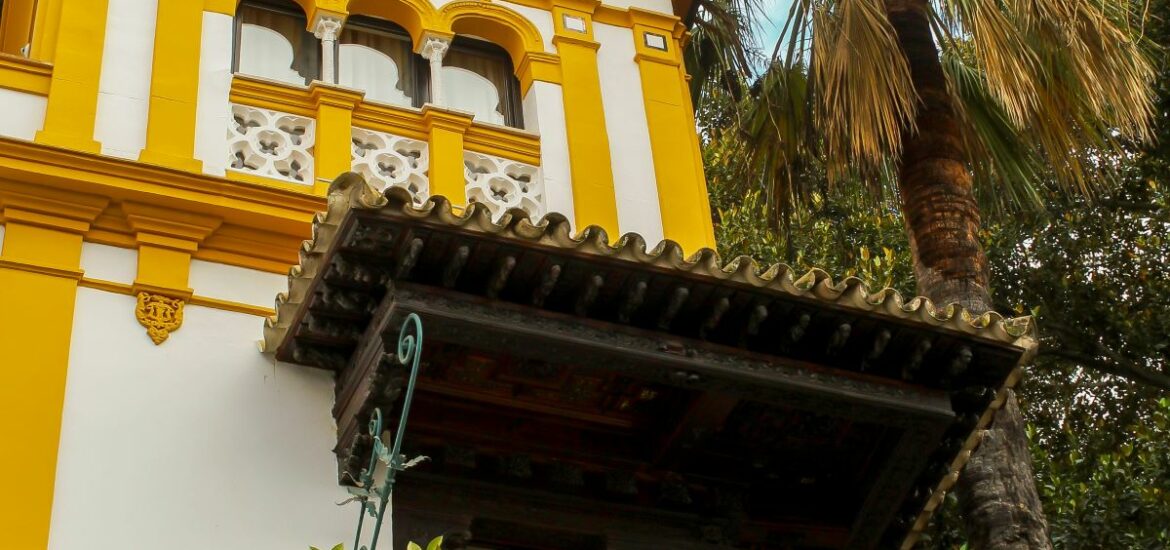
[(162, 160)]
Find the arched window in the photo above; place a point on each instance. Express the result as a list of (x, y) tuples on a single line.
[(374, 55), (272, 42), (478, 77)]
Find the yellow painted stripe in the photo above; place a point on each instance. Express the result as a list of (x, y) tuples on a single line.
[(25, 75), (174, 87), (39, 272), (590, 166), (678, 166), (77, 67)]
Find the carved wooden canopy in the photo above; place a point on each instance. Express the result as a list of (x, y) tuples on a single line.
[(580, 395)]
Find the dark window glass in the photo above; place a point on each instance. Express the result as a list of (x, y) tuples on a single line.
[(271, 42), (478, 77), (375, 56)]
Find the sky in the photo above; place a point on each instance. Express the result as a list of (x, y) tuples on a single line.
[(775, 11)]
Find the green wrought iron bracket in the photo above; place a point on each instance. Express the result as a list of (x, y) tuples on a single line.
[(375, 500)]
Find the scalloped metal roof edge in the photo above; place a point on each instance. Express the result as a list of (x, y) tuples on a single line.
[(351, 191)]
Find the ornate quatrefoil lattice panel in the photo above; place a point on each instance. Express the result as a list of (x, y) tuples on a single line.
[(271, 143), (501, 184), (387, 160)]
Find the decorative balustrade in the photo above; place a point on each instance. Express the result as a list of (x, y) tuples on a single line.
[(282, 145), (387, 160), (501, 184), (271, 143)]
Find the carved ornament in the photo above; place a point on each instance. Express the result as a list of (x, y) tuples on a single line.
[(160, 315)]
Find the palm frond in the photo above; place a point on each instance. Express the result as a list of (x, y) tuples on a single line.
[(722, 49), (1070, 75), (864, 94)]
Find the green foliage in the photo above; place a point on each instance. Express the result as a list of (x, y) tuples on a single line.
[(1108, 487), (435, 544)]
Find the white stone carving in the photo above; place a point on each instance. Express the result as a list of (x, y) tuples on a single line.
[(271, 143), (386, 160), (326, 30), (433, 50), (502, 184)]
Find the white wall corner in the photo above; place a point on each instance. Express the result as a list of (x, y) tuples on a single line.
[(546, 104), (124, 86), (213, 109)]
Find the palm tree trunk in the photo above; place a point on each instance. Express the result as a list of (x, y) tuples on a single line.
[(1001, 508)]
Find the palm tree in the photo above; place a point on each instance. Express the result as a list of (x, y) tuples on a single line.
[(947, 102)]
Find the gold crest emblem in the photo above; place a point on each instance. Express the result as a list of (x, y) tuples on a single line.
[(159, 314)]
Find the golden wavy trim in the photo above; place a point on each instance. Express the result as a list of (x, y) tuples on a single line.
[(350, 191)]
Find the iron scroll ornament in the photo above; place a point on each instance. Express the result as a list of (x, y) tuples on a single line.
[(410, 338)]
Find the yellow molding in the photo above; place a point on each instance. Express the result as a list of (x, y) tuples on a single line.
[(73, 205), (25, 75), (293, 186), (602, 13), (496, 23), (146, 218), (195, 300), (652, 19), (333, 95), (48, 221), (64, 273), (538, 66), (504, 142), (166, 239), (225, 7), (418, 17), (400, 121), (277, 96), (609, 15), (262, 223)]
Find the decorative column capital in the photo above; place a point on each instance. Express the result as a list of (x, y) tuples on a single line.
[(326, 27), (434, 47)]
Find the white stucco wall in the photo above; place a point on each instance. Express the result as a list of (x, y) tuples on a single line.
[(124, 88), (542, 19), (544, 113), (109, 263), (236, 284), (199, 443), (22, 115), (212, 111), (629, 134)]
